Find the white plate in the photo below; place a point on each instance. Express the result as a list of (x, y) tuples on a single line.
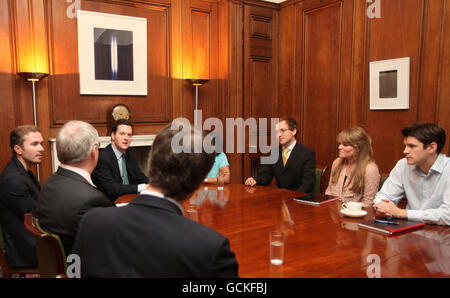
[(359, 213)]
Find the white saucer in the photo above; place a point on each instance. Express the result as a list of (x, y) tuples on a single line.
[(348, 213)]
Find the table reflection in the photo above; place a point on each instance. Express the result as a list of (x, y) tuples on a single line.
[(320, 241)]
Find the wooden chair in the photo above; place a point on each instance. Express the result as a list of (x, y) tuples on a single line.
[(382, 180), (51, 256), (319, 186), (8, 272)]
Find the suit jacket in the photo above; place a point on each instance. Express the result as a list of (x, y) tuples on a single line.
[(19, 190), (297, 175), (150, 238), (106, 175), (65, 197)]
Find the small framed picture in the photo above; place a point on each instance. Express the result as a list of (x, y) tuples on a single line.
[(112, 54), (389, 84)]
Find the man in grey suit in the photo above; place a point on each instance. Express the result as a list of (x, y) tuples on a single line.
[(150, 237), (69, 193)]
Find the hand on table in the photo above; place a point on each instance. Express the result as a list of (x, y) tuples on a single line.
[(250, 182), (386, 208)]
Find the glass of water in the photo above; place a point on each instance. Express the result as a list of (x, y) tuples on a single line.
[(276, 240)]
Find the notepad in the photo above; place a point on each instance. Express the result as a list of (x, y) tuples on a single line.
[(403, 225), (317, 200)]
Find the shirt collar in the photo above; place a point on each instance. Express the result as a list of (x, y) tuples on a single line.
[(291, 146), (116, 151), (161, 196), (439, 164), (80, 172)]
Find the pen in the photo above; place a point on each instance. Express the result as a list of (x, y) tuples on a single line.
[(386, 222)]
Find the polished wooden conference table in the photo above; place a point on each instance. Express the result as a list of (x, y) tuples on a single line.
[(320, 241)]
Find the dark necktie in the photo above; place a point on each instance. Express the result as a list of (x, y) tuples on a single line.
[(124, 171)]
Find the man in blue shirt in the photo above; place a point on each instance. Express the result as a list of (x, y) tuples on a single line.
[(423, 176)]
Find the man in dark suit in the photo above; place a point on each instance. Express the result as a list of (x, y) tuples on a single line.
[(117, 172), (295, 167), (19, 190), (69, 193), (150, 237)]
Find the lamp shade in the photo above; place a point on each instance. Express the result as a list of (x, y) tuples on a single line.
[(32, 76), (197, 82)]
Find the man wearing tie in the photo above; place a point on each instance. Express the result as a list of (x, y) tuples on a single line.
[(295, 170), (117, 172)]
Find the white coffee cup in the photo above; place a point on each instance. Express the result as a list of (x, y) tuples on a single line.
[(352, 207)]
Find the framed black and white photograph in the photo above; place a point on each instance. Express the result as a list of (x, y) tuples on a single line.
[(389, 84), (112, 54)]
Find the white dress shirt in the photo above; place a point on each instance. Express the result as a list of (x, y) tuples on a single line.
[(160, 195), (428, 195)]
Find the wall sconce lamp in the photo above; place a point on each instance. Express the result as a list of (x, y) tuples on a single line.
[(196, 83), (33, 77)]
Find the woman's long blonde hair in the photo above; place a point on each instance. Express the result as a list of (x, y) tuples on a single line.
[(357, 138)]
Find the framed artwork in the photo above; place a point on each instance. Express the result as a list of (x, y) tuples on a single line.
[(389, 84), (112, 54)]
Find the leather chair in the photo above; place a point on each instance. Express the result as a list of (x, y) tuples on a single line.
[(8, 272), (319, 186), (51, 256)]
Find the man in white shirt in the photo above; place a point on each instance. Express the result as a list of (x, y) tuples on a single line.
[(423, 176)]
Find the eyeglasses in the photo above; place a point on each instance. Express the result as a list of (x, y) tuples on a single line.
[(283, 130)]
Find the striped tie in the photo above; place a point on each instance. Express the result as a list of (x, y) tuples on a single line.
[(124, 171)]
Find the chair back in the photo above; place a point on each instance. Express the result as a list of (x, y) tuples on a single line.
[(8, 272), (320, 179), (382, 180), (3, 264), (50, 252)]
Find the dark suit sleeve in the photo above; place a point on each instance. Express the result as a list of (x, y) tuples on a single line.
[(265, 175), (95, 202), (308, 177), (18, 194), (225, 263), (104, 180)]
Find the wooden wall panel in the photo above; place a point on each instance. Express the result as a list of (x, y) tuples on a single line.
[(443, 85), (180, 34), (385, 42), (418, 29), (68, 104), (7, 78), (236, 77), (260, 69), (200, 49), (321, 79)]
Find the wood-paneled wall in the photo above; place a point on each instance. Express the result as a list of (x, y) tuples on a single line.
[(184, 38), (326, 47)]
